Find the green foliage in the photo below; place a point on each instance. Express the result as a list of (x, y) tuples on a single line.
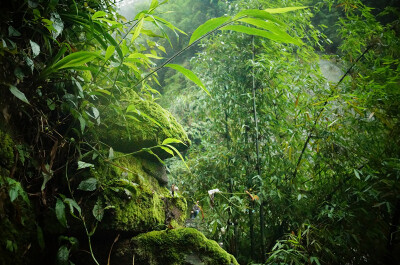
[(324, 147)]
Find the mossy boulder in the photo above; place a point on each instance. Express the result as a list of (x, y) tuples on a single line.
[(139, 202), (6, 150), (178, 246), (145, 124)]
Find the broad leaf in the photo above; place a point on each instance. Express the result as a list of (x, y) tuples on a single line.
[(35, 48), (82, 164), (73, 205), (20, 95), (189, 74), (60, 212), (12, 32), (88, 184), (98, 211), (207, 27), (63, 255)]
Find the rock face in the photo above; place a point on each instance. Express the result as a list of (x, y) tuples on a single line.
[(179, 246), (148, 125), (16, 228), (139, 202), (122, 196)]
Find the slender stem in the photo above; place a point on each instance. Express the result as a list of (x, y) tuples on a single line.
[(323, 108), (183, 50)]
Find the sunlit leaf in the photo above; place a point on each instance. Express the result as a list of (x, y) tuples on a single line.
[(35, 48), (258, 32), (256, 13), (179, 154), (171, 140), (284, 9), (137, 29), (99, 14), (207, 27), (189, 74), (82, 165), (270, 26), (109, 52)]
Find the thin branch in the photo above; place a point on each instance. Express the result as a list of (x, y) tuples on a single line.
[(323, 108), (183, 50)]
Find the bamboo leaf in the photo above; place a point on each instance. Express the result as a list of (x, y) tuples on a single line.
[(256, 13), (178, 153), (207, 27), (155, 155), (137, 29), (109, 52), (284, 9), (99, 14), (171, 140), (268, 25), (75, 59), (166, 149), (189, 74), (257, 32), (154, 4)]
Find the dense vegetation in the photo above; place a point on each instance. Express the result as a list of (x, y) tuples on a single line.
[(294, 129)]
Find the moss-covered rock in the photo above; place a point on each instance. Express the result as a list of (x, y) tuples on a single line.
[(18, 241), (178, 246), (147, 124), (6, 150), (139, 202)]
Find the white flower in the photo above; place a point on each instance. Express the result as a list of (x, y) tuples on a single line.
[(211, 192)]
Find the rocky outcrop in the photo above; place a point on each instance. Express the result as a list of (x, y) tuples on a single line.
[(178, 246), (145, 124), (111, 195)]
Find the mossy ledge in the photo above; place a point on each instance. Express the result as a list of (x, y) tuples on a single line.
[(140, 203), (147, 125), (179, 246), (6, 150)]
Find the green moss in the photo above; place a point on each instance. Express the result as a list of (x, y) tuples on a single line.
[(150, 125), (6, 150), (140, 203), (17, 229), (177, 246)]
